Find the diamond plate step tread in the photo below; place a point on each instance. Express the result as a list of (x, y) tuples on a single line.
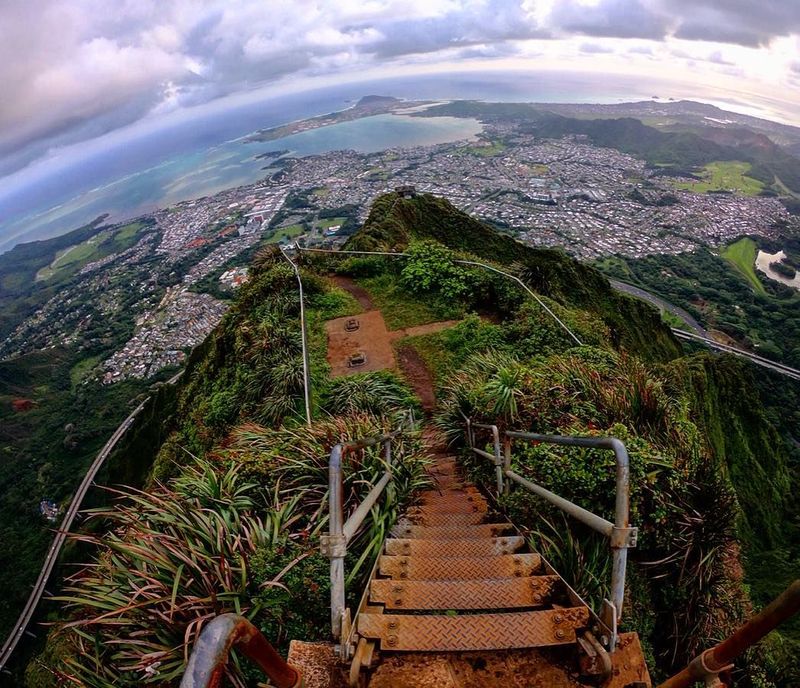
[(447, 519), (457, 507), (506, 593), (459, 568), (406, 529), (474, 632), (483, 547)]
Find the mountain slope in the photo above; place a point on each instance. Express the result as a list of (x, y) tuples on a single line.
[(394, 222)]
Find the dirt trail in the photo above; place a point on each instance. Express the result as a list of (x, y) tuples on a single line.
[(349, 285), (374, 340), (418, 376)]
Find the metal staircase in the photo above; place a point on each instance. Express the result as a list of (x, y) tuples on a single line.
[(447, 582), (456, 599)]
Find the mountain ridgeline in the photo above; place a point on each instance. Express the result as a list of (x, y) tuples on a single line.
[(712, 477), (394, 222)]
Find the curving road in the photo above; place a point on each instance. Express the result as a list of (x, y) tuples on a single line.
[(662, 304), (63, 532), (755, 358)]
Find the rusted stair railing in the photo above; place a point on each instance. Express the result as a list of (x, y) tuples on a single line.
[(340, 532), (709, 665), (206, 665), (620, 533)]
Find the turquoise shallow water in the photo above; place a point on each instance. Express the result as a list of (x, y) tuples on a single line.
[(234, 163), (205, 155)]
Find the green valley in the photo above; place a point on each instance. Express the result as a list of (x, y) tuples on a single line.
[(240, 478)]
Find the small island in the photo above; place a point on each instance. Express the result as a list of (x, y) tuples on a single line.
[(367, 106), (783, 269)]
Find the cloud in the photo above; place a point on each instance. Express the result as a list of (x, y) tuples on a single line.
[(610, 18), (74, 69), (735, 21), (717, 58), (594, 48)]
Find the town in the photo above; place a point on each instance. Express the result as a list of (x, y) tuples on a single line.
[(173, 286)]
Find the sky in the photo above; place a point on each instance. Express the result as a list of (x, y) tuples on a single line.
[(72, 71)]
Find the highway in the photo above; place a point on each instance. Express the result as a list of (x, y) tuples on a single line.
[(61, 536), (660, 303), (755, 358)]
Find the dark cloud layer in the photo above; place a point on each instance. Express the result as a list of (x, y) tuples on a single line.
[(73, 69)]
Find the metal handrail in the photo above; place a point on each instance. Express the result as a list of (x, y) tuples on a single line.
[(621, 535), (474, 263), (303, 338), (209, 656), (340, 532), (714, 661)]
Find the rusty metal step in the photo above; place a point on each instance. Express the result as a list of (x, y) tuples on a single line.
[(470, 518), (483, 547), (475, 631), (405, 529), (459, 568), (505, 593), (458, 506)]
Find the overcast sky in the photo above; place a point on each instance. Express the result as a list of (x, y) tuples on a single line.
[(72, 70)]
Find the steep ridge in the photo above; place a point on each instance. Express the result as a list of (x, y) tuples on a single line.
[(239, 408), (394, 222)]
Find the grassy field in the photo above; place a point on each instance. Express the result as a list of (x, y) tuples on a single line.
[(742, 256), (495, 148), (289, 232), (95, 247), (80, 370), (725, 176), (401, 308), (330, 222), (69, 256), (127, 232)]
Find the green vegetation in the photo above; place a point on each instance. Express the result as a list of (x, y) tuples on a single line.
[(713, 467), (286, 233), (98, 246), (45, 451), (725, 176), (331, 222), (486, 151), (393, 223), (720, 298), (237, 459), (402, 309), (742, 256)]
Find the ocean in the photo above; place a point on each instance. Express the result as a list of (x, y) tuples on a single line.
[(208, 154)]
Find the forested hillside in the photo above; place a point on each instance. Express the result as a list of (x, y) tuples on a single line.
[(236, 499)]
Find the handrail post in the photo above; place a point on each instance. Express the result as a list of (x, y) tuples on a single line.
[(206, 665), (498, 461), (713, 661), (337, 544), (469, 434), (507, 462), (621, 535)]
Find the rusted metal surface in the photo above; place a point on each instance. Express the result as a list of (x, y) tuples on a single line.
[(446, 519), (446, 507), (407, 529), (718, 658), (486, 547), (508, 593), (459, 568), (318, 663), (628, 667), (537, 668), (206, 665), (472, 632)]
